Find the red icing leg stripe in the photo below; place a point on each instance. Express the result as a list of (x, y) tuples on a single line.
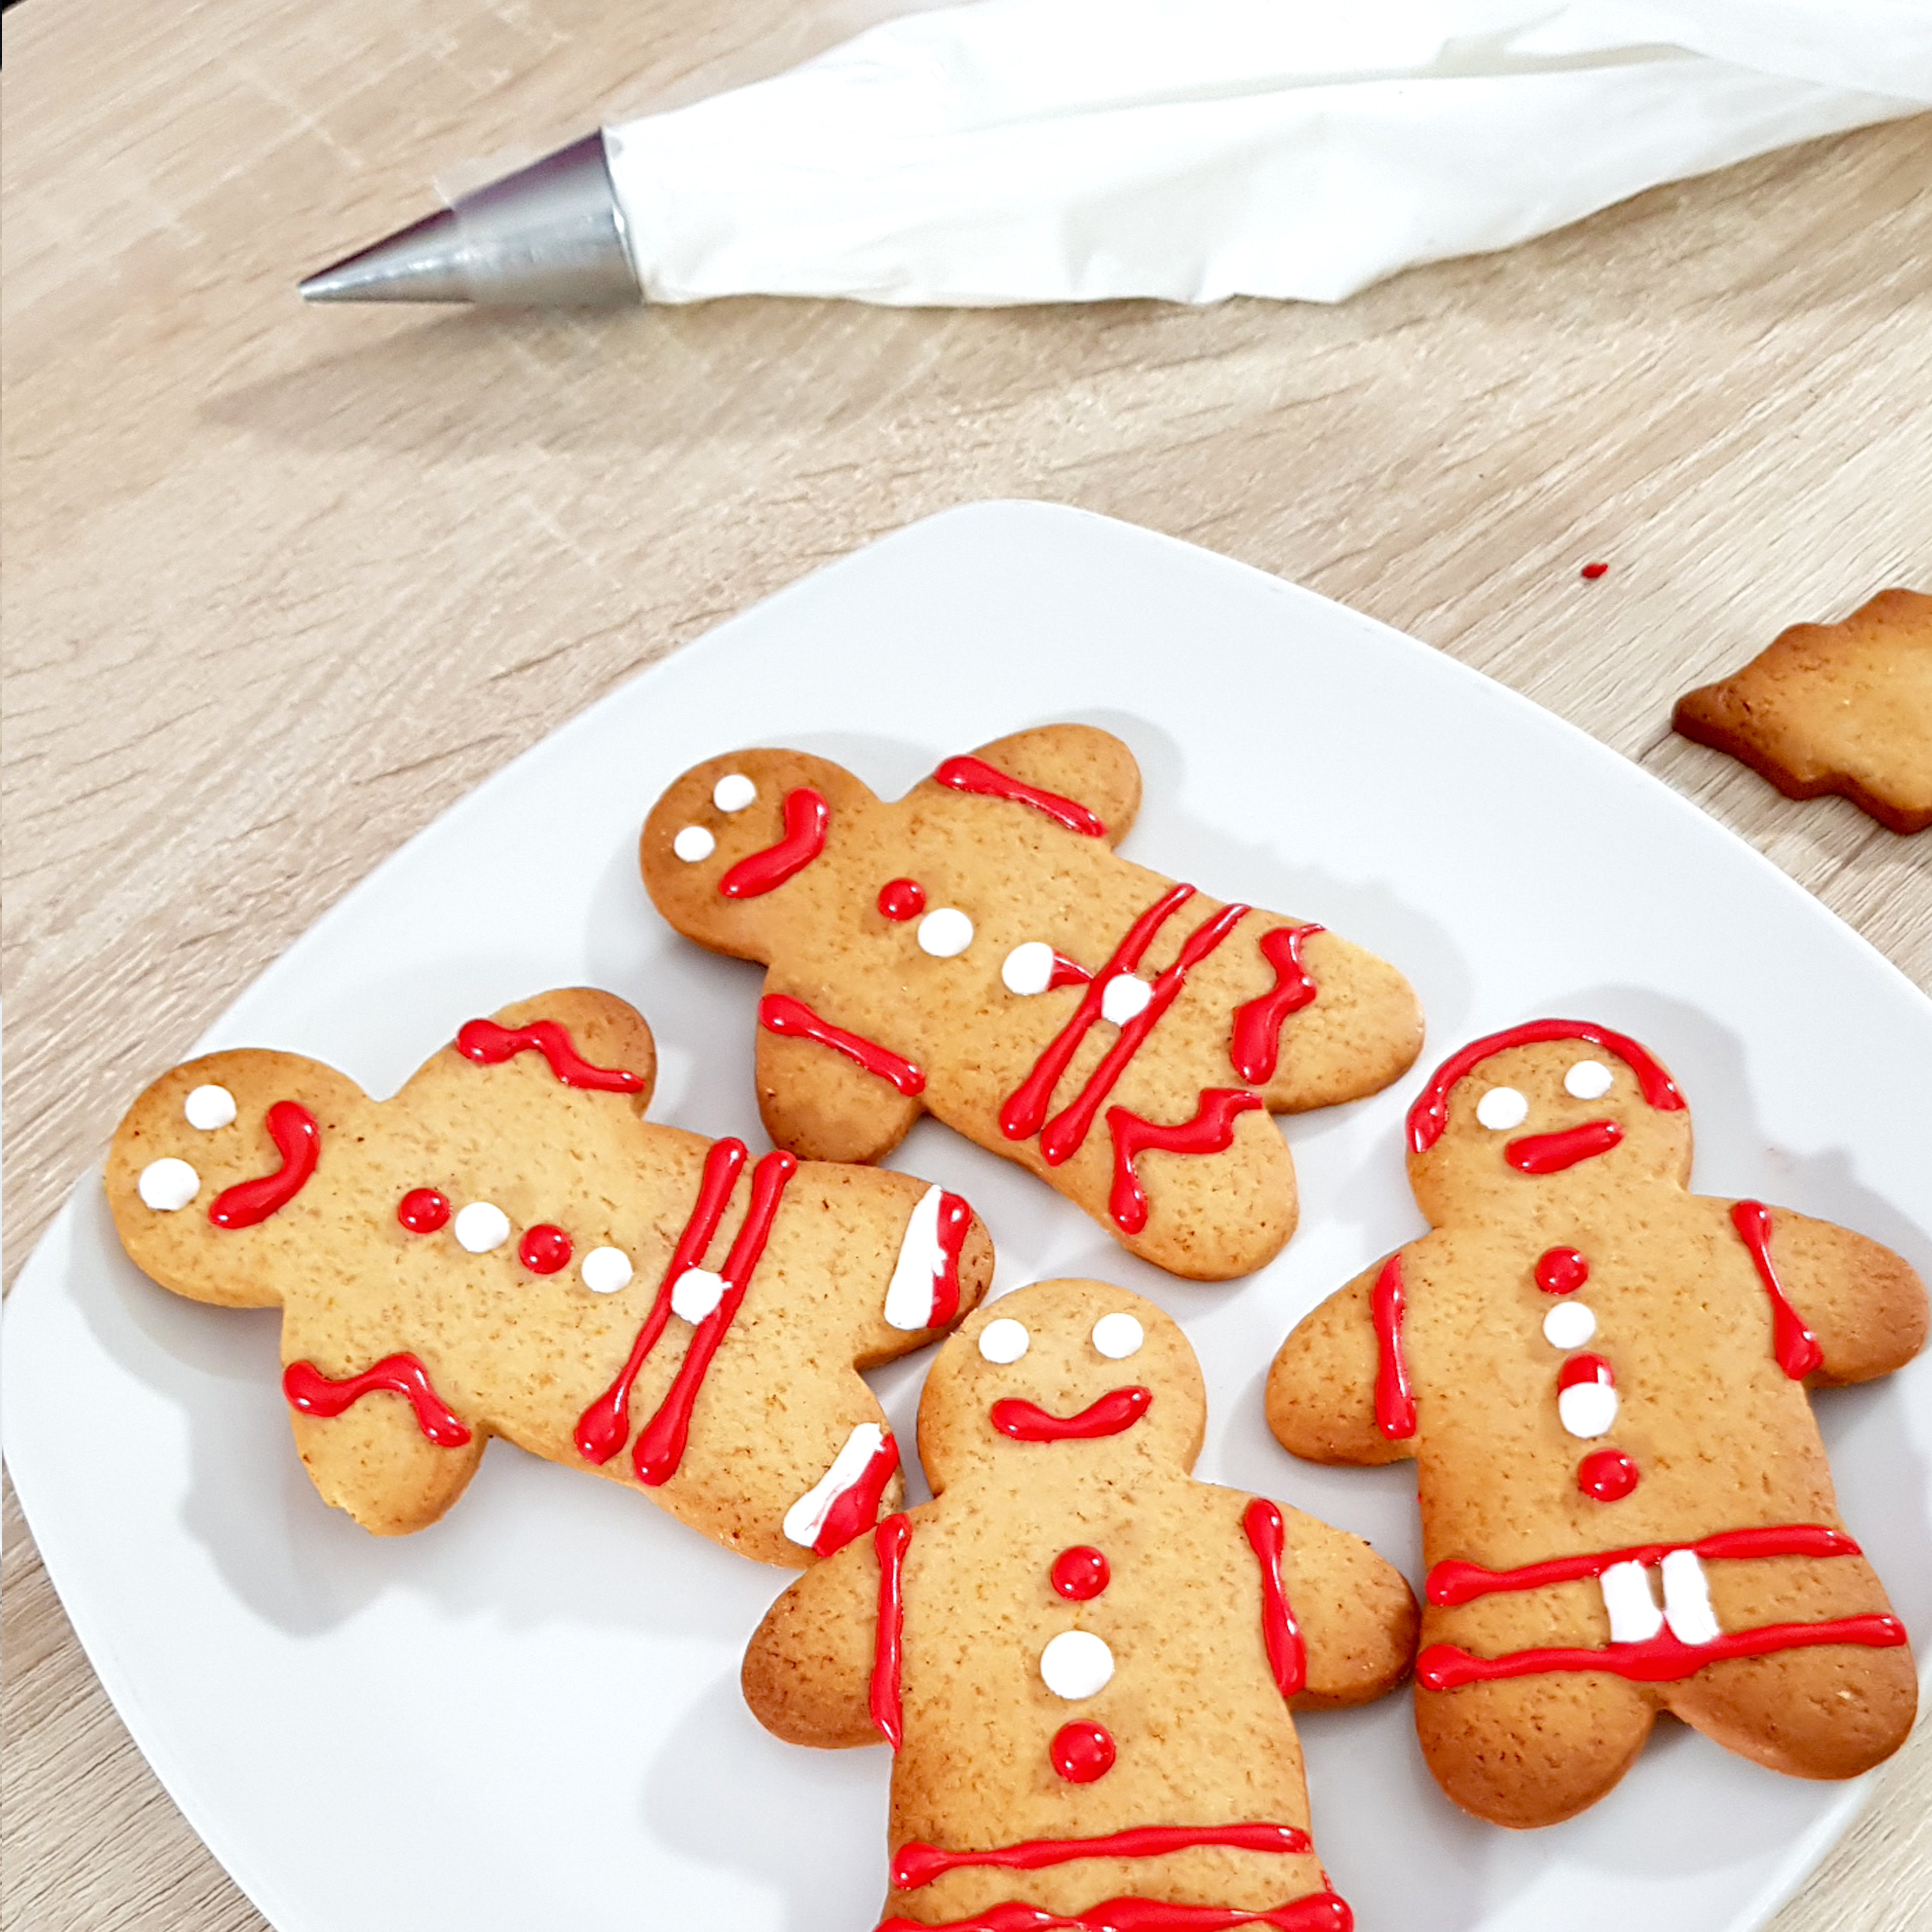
[(975, 775), (954, 1218), (1395, 1405), (806, 817), (1211, 1131), (1287, 1656), (490, 1045), (793, 1019), (605, 1427), (298, 1140), (660, 1442), (914, 1864), (1256, 1049), (1318, 1912), (1794, 1345), (890, 1539), (1661, 1659), (1456, 1582), (1551, 1153), (315, 1393), (856, 1507), (1118, 1410)]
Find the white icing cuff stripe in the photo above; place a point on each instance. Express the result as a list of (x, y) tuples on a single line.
[(805, 1521), (912, 1291)]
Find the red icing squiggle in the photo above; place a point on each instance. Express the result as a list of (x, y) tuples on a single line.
[(298, 1140), (490, 1045), (975, 775), (1287, 1655), (1316, 1911), (1551, 1153), (793, 1019), (856, 1506), (1395, 1405), (1211, 1130), (1430, 1113), (314, 1394), (1116, 1412), (806, 818), (1255, 1049), (915, 1864), (890, 1540), (1794, 1345)]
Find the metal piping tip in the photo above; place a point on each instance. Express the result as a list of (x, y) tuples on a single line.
[(419, 263)]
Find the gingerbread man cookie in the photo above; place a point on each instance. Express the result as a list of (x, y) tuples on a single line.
[(1084, 1661), (1602, 1377), (508, 1248), (979, 950)]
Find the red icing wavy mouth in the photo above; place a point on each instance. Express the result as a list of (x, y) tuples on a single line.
[(1551, 1153), (1117, 1410), (806, 817)]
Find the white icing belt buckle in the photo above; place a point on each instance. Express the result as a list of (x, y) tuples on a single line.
[(1635, 1616)]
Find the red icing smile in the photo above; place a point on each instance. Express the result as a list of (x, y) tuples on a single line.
[(1117, 1410), (1551, 1153)]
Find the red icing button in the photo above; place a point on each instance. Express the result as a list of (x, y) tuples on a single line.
[(422, 1210), (902, 898), (1080, 1573), (1609, 1475), (1081, 1753), (543, 1249), (1561, 1271)]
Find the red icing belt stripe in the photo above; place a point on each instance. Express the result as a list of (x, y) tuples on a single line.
[(954, 1218), (1454, 1582), (1317, 1912), (1430, 1113), (1287, 1656), (660, 1442), (1256, 1049), (1118, 1410), (1395, 1405), (854, 1507), (806, 817), (1551, 1153), (314, 1394), (1211, 1131), (975, 775), (1794, 1345), (605, 1427), (298, 1140), (490, 1045), (1662, 1659), (890, 1539), (793, 1019), (915, 1864)]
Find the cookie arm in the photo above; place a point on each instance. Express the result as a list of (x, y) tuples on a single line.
[(818, 1095), (1357, 1614), (1320, 1396), (808, 1670), (1078, 763)]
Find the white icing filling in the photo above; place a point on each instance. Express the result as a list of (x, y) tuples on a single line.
[(605, 1270), (1501, 1109), (1587, 1409), (733, 792), (1124, 997), (481, 1226), (945, 932), (909, 1294), (1634, 1616), (1118, 1335), (208, 1108), (1003, 1341), (1588, 1080), (1569, 1325), (1028, 967), (1686, 1599), (694, 843), (695, 1293), (804, 1520), (167, 1184), (1076, 1664)]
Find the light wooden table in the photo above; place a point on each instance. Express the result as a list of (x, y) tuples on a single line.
[(281, 585)]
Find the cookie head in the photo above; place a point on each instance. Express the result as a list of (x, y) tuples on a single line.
[(1063, 1372)]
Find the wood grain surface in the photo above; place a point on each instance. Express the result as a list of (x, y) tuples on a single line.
[(281, 585)]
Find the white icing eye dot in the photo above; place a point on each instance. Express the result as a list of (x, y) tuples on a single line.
[(732, 792), (1118, 1335), (695, 1293), (694, 843), (208, 1108), (1588, 1080), (1588, 1409), (1124, 997), (605, 1270), (1028, 967), (1502, 1108), (167, 1184), (1076, 1664), (1003, 1341), (1568, 1325), (481, 1226), (945, 933)]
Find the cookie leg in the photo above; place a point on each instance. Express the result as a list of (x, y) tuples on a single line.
[(1832, 1711)]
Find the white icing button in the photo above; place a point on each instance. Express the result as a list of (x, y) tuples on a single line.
[(945, 933), (1587, 1410), (208, 1108), (1568, 1325), (1076, 1664), (1028, 967), (605, 1270), (1502, 1108), (1588, 1080), (694, 843), (1124, 997), (695, 1293), (732, 792), (169, 1183), (1003, 1341), (1118, 1335), (481, 1226)]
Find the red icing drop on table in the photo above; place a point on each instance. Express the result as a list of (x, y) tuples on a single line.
[(298, 1140), (1256, 1049), (975, 775), (1561, 1271), (1079, 1574), (1211, 1131), (902, 898), (1794, 1345), (490, 1045), (1607, 1475), (915, 1864), (1316, 1912), (423, 1211), (544, 1248), (1591, 571), (1395, 1405), (1081, 1752), (1118, 1410), (793, 1019), (855, 1506), (310, 1390), (1287, 1656), (807, 816), (890, 1540), (1551, 1153)]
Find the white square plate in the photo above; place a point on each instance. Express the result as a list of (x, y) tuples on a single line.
[(528, 1715)]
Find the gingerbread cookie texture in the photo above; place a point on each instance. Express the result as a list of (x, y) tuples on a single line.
[(1086, 1662), (979, 950), (1841, 707), (1625, 1504), (508, 1248)]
